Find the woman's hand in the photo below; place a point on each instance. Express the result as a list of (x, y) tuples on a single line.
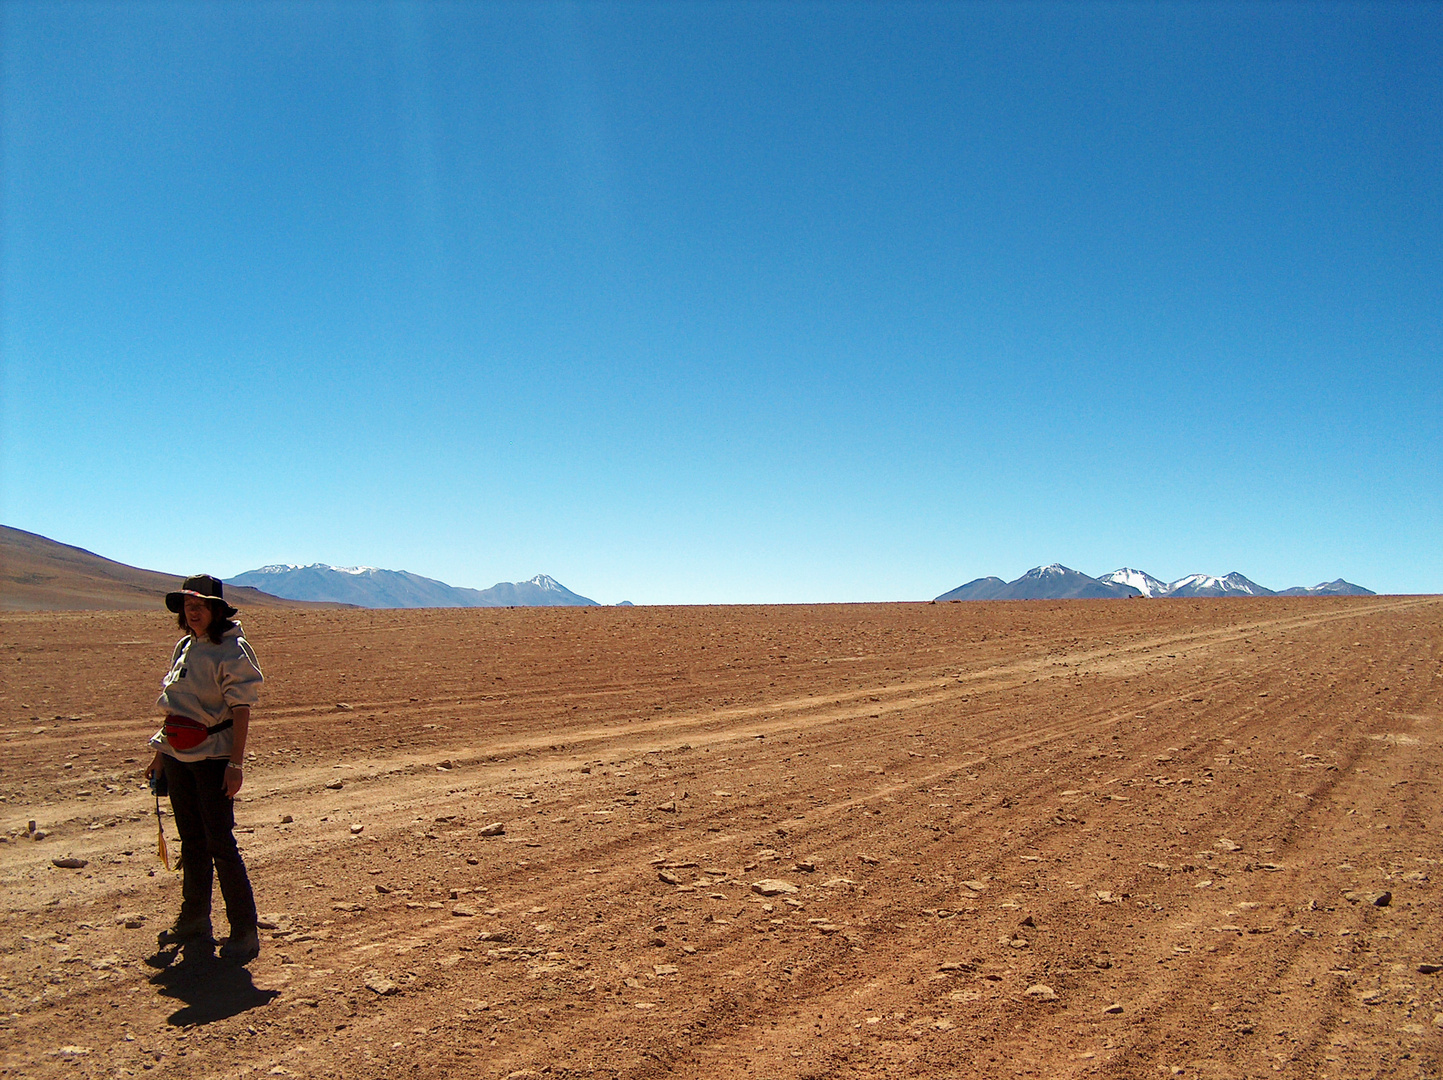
[(234, 777), (156, 766)]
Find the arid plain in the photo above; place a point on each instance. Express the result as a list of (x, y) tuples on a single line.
[(1087, 838)]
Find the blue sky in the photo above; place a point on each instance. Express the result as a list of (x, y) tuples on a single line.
[(727, 302)]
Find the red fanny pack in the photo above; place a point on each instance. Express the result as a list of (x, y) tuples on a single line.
[(183, 733)]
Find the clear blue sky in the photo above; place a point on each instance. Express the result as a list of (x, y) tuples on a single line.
[(728, 302)]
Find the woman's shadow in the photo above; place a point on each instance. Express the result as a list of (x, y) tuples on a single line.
[(210, 988)]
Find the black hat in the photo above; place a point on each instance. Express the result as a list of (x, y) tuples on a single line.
[(202, 585)]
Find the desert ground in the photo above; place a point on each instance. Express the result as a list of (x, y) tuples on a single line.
[(1061, 839)]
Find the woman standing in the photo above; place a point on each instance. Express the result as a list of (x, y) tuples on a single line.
[(207, 697)]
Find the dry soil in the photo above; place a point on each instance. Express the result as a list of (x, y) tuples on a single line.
[(1087, 838)]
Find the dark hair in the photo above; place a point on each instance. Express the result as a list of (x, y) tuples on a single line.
[(219, 621)]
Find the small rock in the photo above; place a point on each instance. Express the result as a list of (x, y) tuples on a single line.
[(335, 785), (668, 807), (286, 819), (1040, 992), (975, 886), (496, 828), (1377, 899), (39, 834), (344, 706), (347, 905), (378, 985), (70, 864), (1113, 1010), (356, 830), (806, 866), (664, 969), (464, 912), (443, 766), (870, 860), (383, 889), (1224, 844), (1029, 921), (669, 878), (1429, 969), (773, 887)]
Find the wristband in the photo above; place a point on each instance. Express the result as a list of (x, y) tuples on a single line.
[(233, 765)]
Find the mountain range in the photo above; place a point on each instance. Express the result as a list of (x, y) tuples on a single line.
[(1058, 582), (370, 587)]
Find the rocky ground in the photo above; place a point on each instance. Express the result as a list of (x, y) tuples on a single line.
[(1088, 838)]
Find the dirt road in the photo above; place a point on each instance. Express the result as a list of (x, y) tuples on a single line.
[(1088, 838)]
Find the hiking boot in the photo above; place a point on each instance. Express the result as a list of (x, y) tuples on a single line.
[(185, 928), (242, 945)]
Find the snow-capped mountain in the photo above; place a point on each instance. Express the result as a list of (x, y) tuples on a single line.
[(1055, 582), (1337, 587), (1140, 580), (371, 587), (1233, 584)]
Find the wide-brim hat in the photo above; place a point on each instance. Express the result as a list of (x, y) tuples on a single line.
[(202, 585)]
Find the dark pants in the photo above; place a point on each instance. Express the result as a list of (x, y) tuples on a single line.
[(205, 820)]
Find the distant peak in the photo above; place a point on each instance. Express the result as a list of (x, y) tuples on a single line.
[(545, 581)]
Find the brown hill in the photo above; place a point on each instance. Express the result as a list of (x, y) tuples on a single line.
[(39, 574)]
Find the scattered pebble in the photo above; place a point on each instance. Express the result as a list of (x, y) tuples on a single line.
[(335, 785), (464, 912), (70, 864), (496, 828), (1429, 969), (356, 830), (1040, 992), (378, 985), (1113, 1010)]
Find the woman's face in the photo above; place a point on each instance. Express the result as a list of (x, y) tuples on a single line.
[(198, 615)]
